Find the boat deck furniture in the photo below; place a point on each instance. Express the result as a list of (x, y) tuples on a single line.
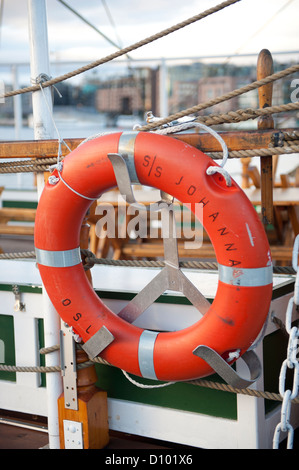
[(285, 202), (17, 212), (17, 221)]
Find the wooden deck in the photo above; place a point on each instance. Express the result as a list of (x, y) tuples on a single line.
[(12, 437), (19, 431)]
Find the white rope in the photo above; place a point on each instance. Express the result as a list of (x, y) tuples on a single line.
[(59, 165), (180, 125), (74, 191), (138, 384), (218, 169), (95, 136), (42, 77)]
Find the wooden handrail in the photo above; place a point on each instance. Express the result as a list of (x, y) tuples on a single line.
[(235, 140)]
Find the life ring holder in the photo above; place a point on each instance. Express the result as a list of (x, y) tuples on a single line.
[(245, 280)]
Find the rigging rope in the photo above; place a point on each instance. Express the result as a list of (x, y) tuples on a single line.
[(90, 260), (198, 382), (123, 51), (245, 89), (246, 114), (42, 165)]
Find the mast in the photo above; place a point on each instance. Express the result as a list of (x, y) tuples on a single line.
[(44, 129)]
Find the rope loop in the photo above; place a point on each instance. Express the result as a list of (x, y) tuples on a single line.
[(140, 385), (43, 78), (215, 169), (89, 259), (189, 123)]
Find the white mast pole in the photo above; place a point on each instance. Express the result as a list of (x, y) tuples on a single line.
[(44, 129)]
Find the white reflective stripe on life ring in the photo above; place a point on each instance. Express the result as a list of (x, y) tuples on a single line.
[(146, 354), (247, 277), (58, 259)]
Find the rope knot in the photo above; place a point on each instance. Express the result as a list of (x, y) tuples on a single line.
[(88, 259), (57, 166), (218, 169), (43, 78)]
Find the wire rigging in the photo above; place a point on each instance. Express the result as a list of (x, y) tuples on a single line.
[(260, 29), (89, 24), (111, 20)]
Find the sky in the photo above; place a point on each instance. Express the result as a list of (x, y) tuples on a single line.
[(245, 27)]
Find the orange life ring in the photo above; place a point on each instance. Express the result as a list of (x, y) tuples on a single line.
[(244, 291)]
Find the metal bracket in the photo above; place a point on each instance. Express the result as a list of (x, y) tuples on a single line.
[(124, 177), (68, 367), (19, 305), (98, 342), (222, 368), (73, 434), (171, 277)]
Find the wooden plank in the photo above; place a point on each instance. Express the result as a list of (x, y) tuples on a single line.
[(255, 176), (235, 140), (7, 213), (35, 148), (156, 250), (293, 216), (285, 181), (281, 196), (16, 229)]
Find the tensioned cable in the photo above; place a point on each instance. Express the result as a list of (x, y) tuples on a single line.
[(261, 28), (90, 24), (111, 20)]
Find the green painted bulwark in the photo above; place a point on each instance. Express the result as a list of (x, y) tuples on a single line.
[(7, 346), (20, 204), (180, 396)]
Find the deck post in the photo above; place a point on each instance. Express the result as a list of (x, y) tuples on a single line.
[(265, 68), (44, 129)]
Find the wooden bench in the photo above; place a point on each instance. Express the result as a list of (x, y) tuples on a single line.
[(280, 235), (18, 216), (206, 251)]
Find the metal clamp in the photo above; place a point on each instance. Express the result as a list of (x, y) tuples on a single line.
[(222, 368), (98, 342), (19, 305), (124, 175)]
